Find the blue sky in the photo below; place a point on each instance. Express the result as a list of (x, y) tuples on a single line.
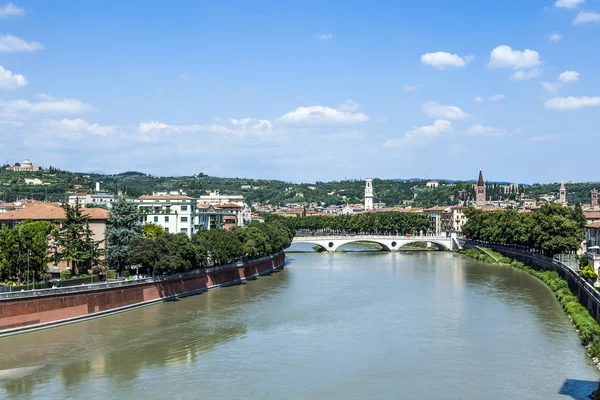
[(303, 91)]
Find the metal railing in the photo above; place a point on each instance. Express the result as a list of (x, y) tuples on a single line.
[(566, 269), (127, 283)]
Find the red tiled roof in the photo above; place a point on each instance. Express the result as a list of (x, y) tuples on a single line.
[(228, 205), (49, 212), (594, 225)]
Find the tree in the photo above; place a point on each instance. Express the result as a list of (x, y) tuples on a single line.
[(24, 250), (123, 227), (152, 231), (588, 273), (75, 242)]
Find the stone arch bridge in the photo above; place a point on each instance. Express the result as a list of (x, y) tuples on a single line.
[(389, 243)]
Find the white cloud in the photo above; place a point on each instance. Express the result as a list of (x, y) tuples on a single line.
[(11, 10), (153, 131), (44, 96), (8, 80), (13, 44), (585, 17), (572, 103), (497, 97), (569, 76), (411, 88), (52, 106), (348, 105), (545, 138), (521, 75), (435, 110), (478, 99), (506, 57), (480, 130), (442, 60), (321, 115), (568, 3), (326, 36), (80, 126), (551, 88), (555, 37), (420, 136)]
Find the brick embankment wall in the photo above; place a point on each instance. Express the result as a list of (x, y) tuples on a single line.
[(24, 314), (588, 296)]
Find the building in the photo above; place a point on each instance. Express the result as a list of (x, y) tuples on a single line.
[(100, 197), (34, 181), (562, 194), (25, 166), (175, 213), (209, 217), (480, 198), (435, 215), (592, 244), (244, 213), (369, 194), (453, 219), (432, 184), (53, 212)]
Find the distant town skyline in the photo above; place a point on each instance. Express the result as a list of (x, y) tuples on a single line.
[(303, 92)]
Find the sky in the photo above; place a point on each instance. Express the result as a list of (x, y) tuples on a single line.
[(304, 91)]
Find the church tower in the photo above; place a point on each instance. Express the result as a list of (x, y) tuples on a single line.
[(563, 194), (595, 199), (369, 194), (480, 191)]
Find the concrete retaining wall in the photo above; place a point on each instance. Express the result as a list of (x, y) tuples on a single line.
[(25, 313)]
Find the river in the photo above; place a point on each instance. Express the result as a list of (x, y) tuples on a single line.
[(425, 325)]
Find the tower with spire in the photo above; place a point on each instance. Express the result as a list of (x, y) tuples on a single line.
[(369, 194), (480, 191), (563, 194)]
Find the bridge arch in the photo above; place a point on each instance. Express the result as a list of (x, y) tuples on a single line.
[(438, 245), (384, 246)]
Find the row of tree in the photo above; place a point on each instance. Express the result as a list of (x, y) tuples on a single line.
[(159, 252), (26, 250), (553, 229), (384, 223)]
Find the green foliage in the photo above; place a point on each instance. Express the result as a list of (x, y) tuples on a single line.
[(172, 253), (83, 279), (380, 223), (588, 272), (123, 227), (75, 242), (24, 250), (111, 274), (152, 231), (553, 229), (65, 275)]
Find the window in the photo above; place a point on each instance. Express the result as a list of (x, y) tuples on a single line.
[(183, 208), (155, 219), (167, 218), (183, 230), (183, 219), (166, 230)]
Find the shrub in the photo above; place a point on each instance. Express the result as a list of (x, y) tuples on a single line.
[(125, 273), (588, 272), (65, 275), (111, 274)]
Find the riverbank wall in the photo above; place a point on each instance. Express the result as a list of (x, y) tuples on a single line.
[(587, 295), (33, 310)]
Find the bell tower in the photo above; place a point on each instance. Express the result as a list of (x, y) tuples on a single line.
[(480, 191), (369, 194), (563, 194), (595, 199)]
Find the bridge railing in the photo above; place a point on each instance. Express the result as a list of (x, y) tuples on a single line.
[(345, 237)]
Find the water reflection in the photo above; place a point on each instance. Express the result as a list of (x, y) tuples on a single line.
[(339, 326)]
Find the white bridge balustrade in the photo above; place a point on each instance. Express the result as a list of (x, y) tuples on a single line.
[(388, 242)]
